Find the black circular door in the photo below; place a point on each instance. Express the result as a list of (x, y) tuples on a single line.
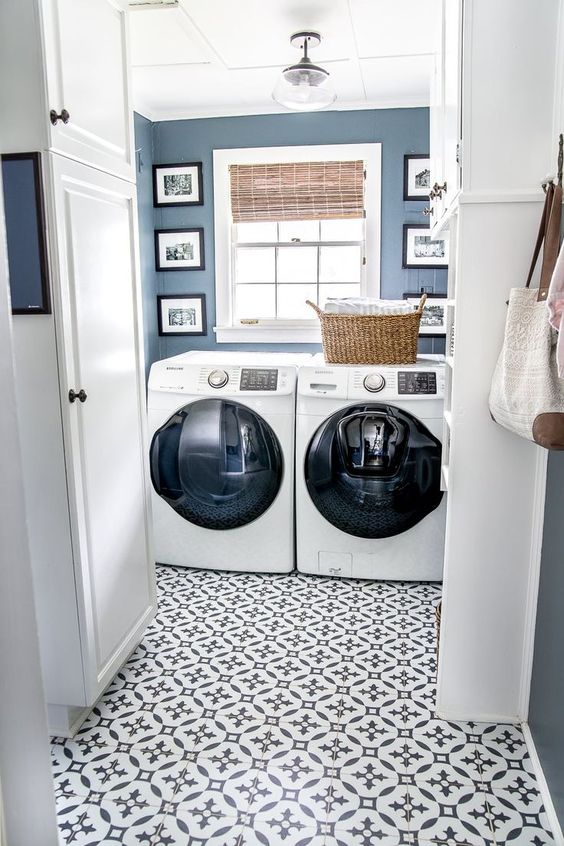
[(217, 463), (374, 470)]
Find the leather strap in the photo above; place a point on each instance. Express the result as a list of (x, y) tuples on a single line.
[(549, 233)]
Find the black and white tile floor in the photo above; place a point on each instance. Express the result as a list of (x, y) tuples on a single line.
[(269, 710)]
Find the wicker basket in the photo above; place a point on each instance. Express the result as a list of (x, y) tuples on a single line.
[(370, 338)]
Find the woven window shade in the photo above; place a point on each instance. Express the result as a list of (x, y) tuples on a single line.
[(297, 191)]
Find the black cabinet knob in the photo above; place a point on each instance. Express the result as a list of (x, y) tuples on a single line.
[(55, 118), (81, 395)]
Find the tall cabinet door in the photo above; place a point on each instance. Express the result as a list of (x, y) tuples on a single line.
[(86, 57), (98, 338)]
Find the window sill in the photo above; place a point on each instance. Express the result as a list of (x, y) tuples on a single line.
[(267, 334)]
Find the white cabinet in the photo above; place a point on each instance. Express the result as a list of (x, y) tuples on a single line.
[(99, 350), (68, 58), (86, 480), (84, 461), (495, 96)]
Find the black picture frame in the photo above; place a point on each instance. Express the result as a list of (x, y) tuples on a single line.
[(19, 257), (196, 262), (181, 303), (424, 330), (416, 262), (408, 185), (175, 172)]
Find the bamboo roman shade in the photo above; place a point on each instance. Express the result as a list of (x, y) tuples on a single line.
[(297, 191)]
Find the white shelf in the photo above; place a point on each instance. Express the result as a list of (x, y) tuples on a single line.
[(449, 359)]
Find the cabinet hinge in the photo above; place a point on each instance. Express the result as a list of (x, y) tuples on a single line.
[(459, 154), (364, 260)]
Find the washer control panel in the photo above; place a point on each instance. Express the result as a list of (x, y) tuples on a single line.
[(374, 382), (417, 382), (218, 379), (259, 379)]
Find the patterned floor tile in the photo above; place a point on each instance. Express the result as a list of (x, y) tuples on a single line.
[(87, 822), (518, 819), (290, 710), (189, 828), (310, 740), (459, 815), (118, 775), (282, 830)]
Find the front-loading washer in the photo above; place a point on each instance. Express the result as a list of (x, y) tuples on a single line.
[(222, 460), (368, 470)]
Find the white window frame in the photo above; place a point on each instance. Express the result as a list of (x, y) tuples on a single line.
[(287, 331)]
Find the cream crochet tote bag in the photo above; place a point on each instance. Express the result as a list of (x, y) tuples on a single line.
[(526, 396)]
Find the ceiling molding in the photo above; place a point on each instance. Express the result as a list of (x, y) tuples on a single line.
[(159, 116)]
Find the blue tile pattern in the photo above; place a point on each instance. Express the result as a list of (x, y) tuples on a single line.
[(290, 710)]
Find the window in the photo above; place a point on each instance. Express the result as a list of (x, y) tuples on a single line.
[(290, 227)]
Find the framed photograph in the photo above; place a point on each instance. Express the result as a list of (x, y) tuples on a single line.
[(182, 314), (178, 184), (179, 249), (416, 176), (420, 250), (433, 319), (25, 233)]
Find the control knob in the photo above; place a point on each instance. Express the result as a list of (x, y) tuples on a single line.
[(374, 382), (218, 379)]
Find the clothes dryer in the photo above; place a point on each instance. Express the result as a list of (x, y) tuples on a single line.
[(368, 470), (222, 460)]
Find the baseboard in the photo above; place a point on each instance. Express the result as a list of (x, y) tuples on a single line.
[(65, 721), (466, 717), (553, 821)]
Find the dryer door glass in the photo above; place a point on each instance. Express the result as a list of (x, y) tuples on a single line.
[(374, 470), (217, 463)]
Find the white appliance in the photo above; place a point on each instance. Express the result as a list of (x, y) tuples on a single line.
[(368, 465), (222, 460)]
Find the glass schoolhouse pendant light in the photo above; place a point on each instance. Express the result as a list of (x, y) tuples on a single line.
[(304, 87)]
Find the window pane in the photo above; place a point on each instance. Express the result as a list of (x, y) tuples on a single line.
[(291, 301), (339, 264), (256, 265), (342, 230), (326, 291), (253, 233), (297, 264), (252, 301), (305, 230)]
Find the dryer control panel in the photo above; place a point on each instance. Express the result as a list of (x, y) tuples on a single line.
[(417, 382), (423, 380)]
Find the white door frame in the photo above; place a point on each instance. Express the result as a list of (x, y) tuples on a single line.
[(25, 771)]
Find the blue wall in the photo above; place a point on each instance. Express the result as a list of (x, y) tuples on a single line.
[(547, 687), (144, 160), (399, 130)]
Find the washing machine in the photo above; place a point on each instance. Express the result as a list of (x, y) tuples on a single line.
[(368, 470), (222, 460)]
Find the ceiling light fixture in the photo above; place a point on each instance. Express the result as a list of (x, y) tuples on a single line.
[(304, 87)]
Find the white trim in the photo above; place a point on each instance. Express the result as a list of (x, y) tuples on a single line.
[(267, 334), (370, 153), (559, 75), (534, 578), (160, 115), (553, 821)]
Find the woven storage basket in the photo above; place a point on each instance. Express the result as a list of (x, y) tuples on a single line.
[(370, 338)]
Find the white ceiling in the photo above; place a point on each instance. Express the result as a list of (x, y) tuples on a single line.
[(208, 58)]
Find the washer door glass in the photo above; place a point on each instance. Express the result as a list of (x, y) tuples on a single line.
[(217, 463), (373, 471)]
